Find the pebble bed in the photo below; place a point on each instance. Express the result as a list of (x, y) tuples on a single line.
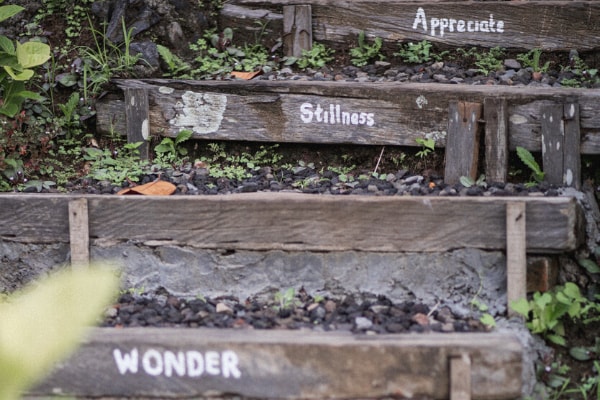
[(364, 314)]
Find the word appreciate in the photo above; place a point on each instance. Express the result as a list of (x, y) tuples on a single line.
[(192, 364), (334, 115), (456, 25)]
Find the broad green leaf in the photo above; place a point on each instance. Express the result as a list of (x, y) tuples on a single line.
[(572, 290), (487, 320), (589, 265), (556, 339), (45, 323), (9, 11), (9, 109), (6, 45), (183, 135), (23, 75), (31, 54), (581, 353), (521, 306)]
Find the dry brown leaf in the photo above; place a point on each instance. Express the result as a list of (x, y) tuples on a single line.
[(156, 188), (244, 75)]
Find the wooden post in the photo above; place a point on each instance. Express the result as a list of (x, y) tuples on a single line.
[(137, 117), (79, 233), (496, 139), (462, 143), (572, 152), (516, 253), (553, 135), (460, 377), (297, 29)]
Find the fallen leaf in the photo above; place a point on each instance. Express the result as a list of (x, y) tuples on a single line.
[(156, 188), (244, 75)]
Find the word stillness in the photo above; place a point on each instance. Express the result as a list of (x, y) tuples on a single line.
[(456, 25), (334, 114), (192, 364)]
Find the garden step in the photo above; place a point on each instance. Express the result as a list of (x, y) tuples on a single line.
[(184, 363)]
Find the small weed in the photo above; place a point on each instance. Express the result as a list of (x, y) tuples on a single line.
[(415, 53), (169, 150), (316, 57), (115, 166), (527, 158), (364, 52), (427, 146), (532, 58), (286, 300), (469, 182)]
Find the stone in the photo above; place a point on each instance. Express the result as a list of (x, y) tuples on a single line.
[(511, 63), (362, 323)]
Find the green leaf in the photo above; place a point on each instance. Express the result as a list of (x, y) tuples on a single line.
[(9, 11), (487, 320), (521, 306), (589, 265), (183, 135), (44, 323), (581, 353), (466, 181), (556, 339), (6, 45), (572, 290), (31, 54)]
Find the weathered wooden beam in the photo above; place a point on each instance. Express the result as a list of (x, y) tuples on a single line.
[(79, 235), (462, 143), (196, 363), (516, 253), (572, 144), (390, 114), (496, 139), (137, 117), (270, 221), (558, 25), (553, 136), (297, 29), (460, 377)]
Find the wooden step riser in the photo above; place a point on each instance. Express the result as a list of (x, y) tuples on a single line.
[(293, 221), (523, 25), (167, 363), (392, 113)]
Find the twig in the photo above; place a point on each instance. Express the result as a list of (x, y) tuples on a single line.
[(379, 160)]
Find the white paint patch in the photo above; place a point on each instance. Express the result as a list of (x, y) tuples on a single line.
[(145, 129), (132, 101), (557, 145), (192, 363), (517, 119), (421, 101), (571, 112), (200, 112), (165, 90), (436, 135), (568, 179), (439, 26)]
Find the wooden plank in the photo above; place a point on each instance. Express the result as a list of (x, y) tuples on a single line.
[(297, 29), (496, 139), (553, 137), (462, 143), (137, 118), (268, 221), (165, 363), (558, 25), (271, 111), (460, 377), (571, 146), (79, 235), (516, 253)]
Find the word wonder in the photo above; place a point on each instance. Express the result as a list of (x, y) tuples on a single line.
[(334, 115), (456, 25), (192, 364)]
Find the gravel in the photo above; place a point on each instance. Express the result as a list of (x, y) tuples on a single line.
[(361, 314)]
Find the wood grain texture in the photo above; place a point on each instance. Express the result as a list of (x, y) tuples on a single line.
[(572, 156), (137, 118), (79, 234), (271, 111), (292, 365), (462, 143), (516, 253), (551, 25), (553, 137), (496, 139), (297, 30), (294, 221)]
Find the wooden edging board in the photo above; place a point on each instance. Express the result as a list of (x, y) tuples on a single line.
[(549, 25), (185, 363), (390, 113), (299, 222)]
